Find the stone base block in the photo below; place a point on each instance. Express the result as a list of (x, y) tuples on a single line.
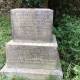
[(36, 60), (32, 55), (33, 74)]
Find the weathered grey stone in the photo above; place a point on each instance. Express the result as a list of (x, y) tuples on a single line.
[(33, 51), (32, 24), (32, 55), (33, 74)]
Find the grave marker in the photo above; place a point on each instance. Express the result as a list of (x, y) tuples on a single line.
[(33, 51)]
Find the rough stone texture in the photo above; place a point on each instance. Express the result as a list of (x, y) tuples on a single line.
[(32, 55), (32, 24), (33, 74), (33, 51)]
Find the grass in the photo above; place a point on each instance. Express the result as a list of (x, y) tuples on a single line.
[(5, 36), (3, 77)]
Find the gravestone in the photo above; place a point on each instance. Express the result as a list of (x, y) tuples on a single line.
[(33, 51)]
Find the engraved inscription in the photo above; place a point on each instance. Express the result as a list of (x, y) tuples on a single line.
[(31, 55), (27, 23)]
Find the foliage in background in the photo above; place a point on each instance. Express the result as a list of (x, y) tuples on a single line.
[(29, 3), (76, 70), (64, 6), (67, 31), (59, 6)]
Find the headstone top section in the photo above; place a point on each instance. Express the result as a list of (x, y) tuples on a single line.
[(31, 9), (32, 24)]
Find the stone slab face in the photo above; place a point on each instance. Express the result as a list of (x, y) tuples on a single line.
[(31, 55), (32, 24)]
